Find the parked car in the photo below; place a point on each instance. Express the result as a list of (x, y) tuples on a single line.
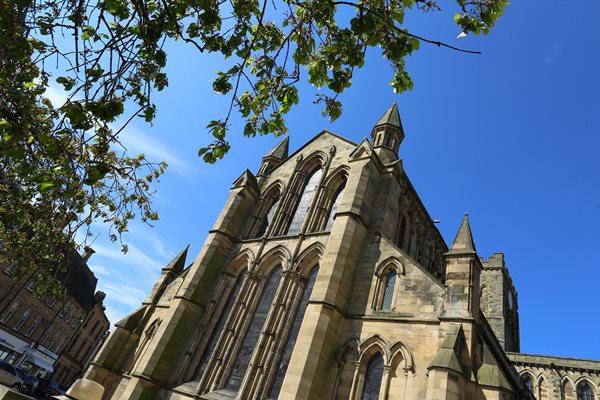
[(9, 376), (30, 382), (48, 387)]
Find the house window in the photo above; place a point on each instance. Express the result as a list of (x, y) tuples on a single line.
[(388, 293), (291, 342), (11, 310), (249, 341), (56, 335), (34, 325), (65, 309), (60, 344), (216, 334), (585, 391), (23, 319), (337, 200), (305, 201), (373, 378)]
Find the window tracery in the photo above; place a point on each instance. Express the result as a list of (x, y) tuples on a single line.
[(305, 201), (248, 343), (335, 205), (218, 330), (293, 335)]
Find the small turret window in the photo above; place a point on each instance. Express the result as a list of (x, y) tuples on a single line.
[(373, 378)]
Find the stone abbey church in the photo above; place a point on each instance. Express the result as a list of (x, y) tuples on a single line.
[(324, 278)]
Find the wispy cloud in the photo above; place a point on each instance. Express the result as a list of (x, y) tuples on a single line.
[(123, 293), (99, 270), (134, 256), (160, 249), (135, 140)]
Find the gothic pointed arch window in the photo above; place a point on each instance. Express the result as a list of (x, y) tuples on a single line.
[(373, 378), (385, 288), (388, 293), (335, 205), (218, 330), (527, 384), (585, 391), (306, 199), (293, 336), (250, 339), (400, 231), (265, 212)]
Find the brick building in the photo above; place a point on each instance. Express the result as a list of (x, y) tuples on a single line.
[(324, 277), (56, 337)]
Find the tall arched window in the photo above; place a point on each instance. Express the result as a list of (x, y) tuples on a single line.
[(305, 201), (373, 378), (401, 230), (337, 200), (249, 341), (23, 319), (291, 342), (216, 334), (388, 293), (267, 218), (585, 391), (527, 384)]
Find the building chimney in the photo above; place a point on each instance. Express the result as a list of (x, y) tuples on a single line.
[(87, 253)]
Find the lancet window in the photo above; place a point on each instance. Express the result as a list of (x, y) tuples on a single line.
[(388, 294), (251, 337), (373, 378), (585, 391), (214, 338), (527, 384), (385, 289), (401, 231), (337, 200), (265, 213), (291, 341), (306, 199)]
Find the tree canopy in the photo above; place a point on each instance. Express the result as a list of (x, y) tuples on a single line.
[(63, 165)]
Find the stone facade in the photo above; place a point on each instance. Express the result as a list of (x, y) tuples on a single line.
[(53, 338), (324, 277)]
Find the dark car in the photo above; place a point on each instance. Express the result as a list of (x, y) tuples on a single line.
[(30, 382), (48, 387)]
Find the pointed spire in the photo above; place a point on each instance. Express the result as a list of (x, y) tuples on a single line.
[(281, 150), (391, 117), (463, 243), (177, 264)]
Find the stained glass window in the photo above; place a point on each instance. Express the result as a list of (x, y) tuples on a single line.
[(585, 392), (336, 204), (216, 334), (388, 294), (267, 219), (253, 334), (305, 200), (291, 342), (373, 378)]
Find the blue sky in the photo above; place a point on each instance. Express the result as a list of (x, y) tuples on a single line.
[(511, 136)]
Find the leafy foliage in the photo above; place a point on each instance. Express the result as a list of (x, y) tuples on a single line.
[(63, 166)]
